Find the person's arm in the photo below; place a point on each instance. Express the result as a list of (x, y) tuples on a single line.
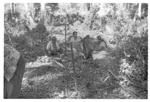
[(58, 45), (69, 39), (48, 47)]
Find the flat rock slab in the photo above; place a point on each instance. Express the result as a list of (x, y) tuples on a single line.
[(100, 55)]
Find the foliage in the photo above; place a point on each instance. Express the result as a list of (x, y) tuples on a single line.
[(133, 48), (119, 22)]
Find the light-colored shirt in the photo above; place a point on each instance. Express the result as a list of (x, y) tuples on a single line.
[(75, 42), (52, 47), (100, 45), (72, 39)]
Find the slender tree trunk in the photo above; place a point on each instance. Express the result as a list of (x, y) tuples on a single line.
[(13, 8), (65, 35), (88, 6), (74, 71), (10, 40), (72, 55), (139, 10)]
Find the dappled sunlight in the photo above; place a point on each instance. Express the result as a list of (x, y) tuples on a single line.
[(77, 50)]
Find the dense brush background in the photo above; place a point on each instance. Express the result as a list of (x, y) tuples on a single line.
[(122, 70)]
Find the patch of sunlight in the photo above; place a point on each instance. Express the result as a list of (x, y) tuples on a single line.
[(100, 55)]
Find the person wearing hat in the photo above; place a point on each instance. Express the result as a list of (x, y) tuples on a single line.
[(101, 43), (53, 48)]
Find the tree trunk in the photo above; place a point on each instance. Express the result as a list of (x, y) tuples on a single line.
[(139, 10), (74, 71), (13, 8), (65, 34)]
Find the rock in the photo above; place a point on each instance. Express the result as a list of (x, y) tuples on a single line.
[(99, 55), (11, 57), (13, 73)]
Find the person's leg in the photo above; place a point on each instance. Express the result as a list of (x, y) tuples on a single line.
[(89, 55), (53, 53)]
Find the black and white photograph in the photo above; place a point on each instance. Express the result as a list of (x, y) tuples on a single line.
[(75, 50)]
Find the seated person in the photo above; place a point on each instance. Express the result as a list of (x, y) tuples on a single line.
[(53, 48)]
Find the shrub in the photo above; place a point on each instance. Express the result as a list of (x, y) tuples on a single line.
[(133, 48)]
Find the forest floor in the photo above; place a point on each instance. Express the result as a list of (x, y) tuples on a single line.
[(46, 78), (51, 81)]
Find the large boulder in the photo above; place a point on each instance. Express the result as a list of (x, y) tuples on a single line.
[(14, 66)]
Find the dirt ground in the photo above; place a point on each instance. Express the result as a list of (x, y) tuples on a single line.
[(54, 82)]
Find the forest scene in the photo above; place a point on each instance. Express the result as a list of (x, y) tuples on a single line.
[(76, 50)]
